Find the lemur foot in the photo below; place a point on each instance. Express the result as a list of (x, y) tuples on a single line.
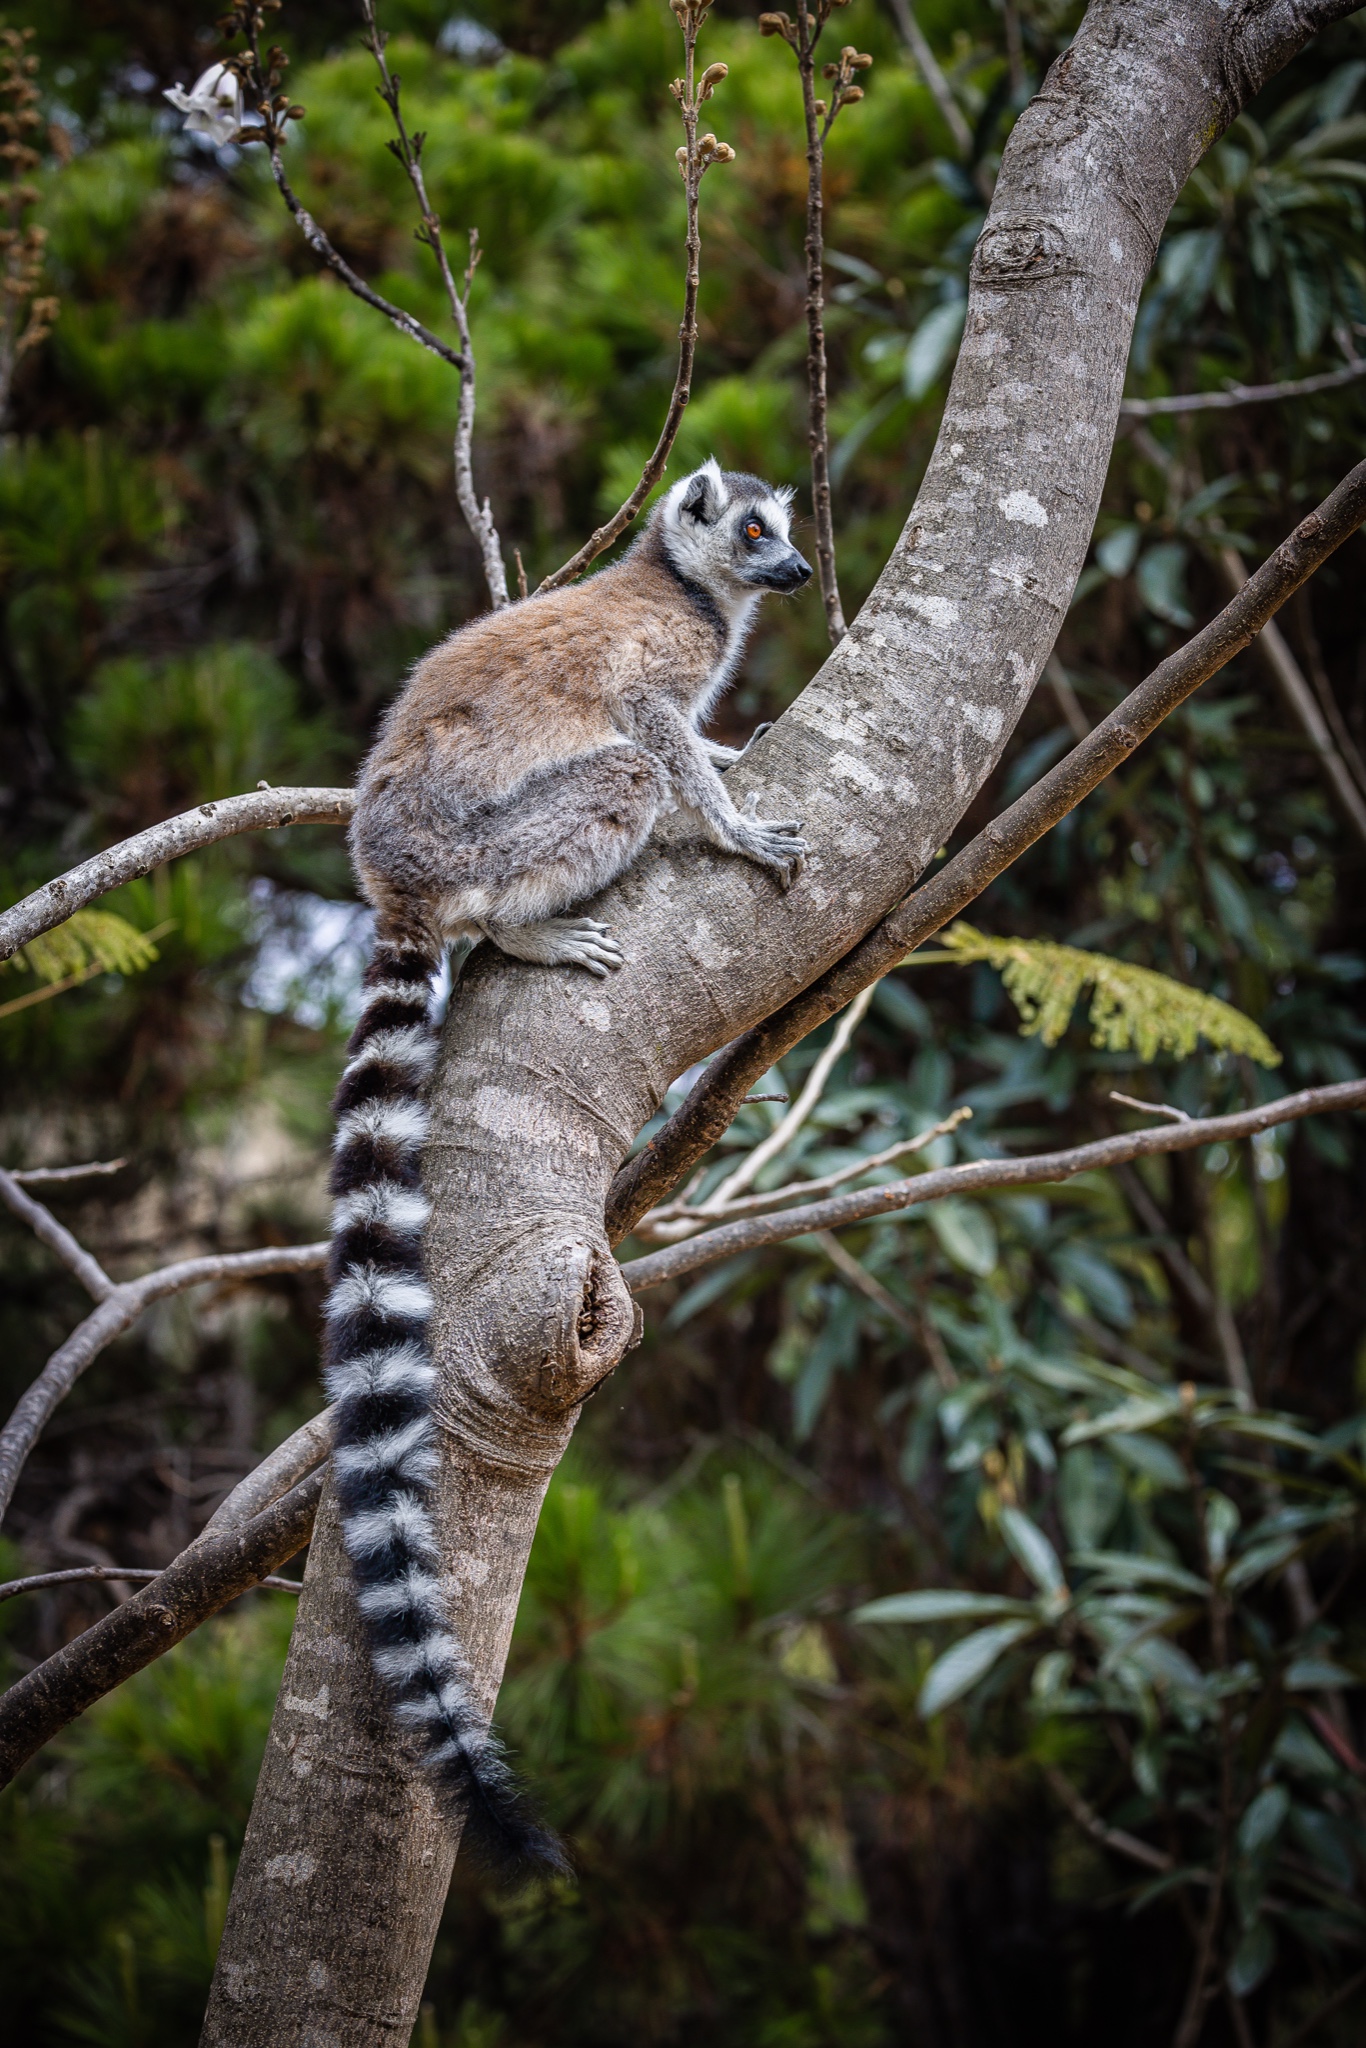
[(560, 942), (775, 843)]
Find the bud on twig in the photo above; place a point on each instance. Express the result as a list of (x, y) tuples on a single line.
[(711, 78)]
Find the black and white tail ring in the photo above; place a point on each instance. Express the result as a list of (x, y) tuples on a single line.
[(379, 1372)]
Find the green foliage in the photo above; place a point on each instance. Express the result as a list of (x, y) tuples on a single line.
[(90, 942), (1132, 1009)]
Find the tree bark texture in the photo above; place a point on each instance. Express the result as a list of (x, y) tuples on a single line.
[(546, 1076)]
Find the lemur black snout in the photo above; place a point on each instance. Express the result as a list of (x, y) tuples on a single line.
[(791, 573)]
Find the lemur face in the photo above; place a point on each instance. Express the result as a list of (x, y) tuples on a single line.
[(729, 532)]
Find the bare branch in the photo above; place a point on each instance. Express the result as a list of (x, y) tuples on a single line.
[(859, 1277), (649, 1226), (1178, 1116), (695, 159), (129, 1573), (48, 1176), (259, 810), (1239, 394), (977, 1177), (408, 150), (117, 1312), (284, 1467), (928, 66), (213, 1571), (1272, 651), (716, 1096), (57, 1238), (1090, 1822)]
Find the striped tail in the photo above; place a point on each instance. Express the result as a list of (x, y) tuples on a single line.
[(380, 1374)]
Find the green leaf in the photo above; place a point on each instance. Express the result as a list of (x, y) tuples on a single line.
[(1117, 552), (1126, 1568), (962, 1667), (1129, 1417), (1263, 1820), (90, 942), (967, 1234), (932, 347), (1133, 1009), (1258, 1560), (1032, 1549), (1161, 579), (1252, 1958), (939, 1606), (1317, 1674)]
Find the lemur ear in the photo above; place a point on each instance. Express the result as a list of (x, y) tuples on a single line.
[(704, 498)]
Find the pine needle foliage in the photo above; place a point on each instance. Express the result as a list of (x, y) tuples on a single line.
[(1133, 1009), (90, 942)]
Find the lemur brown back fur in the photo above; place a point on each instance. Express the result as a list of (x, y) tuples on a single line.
[(521, 770)]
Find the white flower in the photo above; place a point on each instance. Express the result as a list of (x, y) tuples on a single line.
[(212, 106)]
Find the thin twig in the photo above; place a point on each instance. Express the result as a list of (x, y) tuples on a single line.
[(213, 1571), (408, 149), (1272, 649), (859, 1277), (1118, 1839), (781, 1137), (716, 1096), (117, 1312), (1178, 1116), (49, 1176), (651, 1227), (1239, 394), (258, 810), (57, 1238), (130, 1573), (277, 1472), (928, 66), (809, 24), (695, 159), (979, 1176)]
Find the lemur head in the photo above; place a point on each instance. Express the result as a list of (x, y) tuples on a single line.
[(729, 532)]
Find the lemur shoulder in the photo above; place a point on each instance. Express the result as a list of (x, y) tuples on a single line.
[(523, 767)]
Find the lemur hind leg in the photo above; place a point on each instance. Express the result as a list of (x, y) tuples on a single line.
[(567, 833), (559, 942)]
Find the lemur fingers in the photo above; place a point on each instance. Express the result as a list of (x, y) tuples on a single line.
[(561, 942), (774, 843)]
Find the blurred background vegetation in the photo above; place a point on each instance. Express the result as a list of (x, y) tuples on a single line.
[(226, 528)]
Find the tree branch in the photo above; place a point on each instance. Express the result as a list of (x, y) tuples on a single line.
[(212, 1572), (1271, 649), (712, 1104), (977, 1177), (408, 149), (117, 1312), (259, 810), (129, 1573), (57, 1238), (1239, 394), (928, 66), (695, 159), (1090, 1822)]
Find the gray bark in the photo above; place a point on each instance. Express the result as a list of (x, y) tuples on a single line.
[(546, 1077)]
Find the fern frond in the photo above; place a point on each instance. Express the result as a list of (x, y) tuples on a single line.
[(1133, 1009), (90, 942)]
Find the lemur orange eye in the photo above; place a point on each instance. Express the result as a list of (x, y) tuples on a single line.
[(754, 531)]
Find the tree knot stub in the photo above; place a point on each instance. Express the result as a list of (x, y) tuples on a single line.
[(1019, 251)]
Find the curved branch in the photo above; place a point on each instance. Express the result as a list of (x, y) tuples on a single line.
[(56, 1237), (115, 1314), (259, 810), (203, 1579), (977, 1177), (717, 1095), (284, 1467)]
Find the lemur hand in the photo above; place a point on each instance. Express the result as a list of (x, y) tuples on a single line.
[(726, 757), (774, 843)]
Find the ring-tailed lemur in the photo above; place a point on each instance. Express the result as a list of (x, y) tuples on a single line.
[(520, 771)]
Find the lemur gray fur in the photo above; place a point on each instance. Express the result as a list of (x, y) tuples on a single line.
[(523, 768)]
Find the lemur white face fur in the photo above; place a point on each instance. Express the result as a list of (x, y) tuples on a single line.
[(729, 533)]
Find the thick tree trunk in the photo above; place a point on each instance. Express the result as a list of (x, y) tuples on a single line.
[(546, 1076)]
